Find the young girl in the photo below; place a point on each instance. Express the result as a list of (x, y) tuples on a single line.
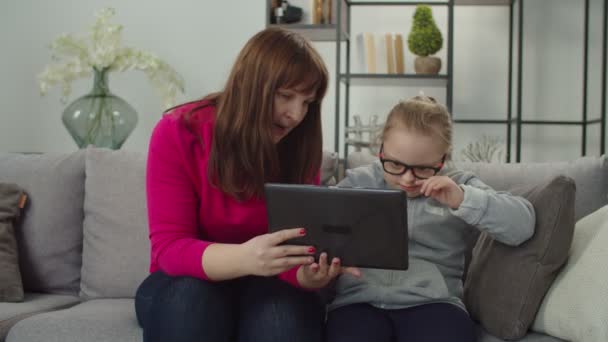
[(216, 272), (423, 303)]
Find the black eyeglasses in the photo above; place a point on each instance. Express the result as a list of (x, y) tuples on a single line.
[(397, 168)]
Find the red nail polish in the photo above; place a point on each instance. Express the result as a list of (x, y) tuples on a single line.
[(311, 250), (302, 231)]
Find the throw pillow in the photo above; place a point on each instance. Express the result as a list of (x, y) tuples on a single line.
[(11, 286), (329, 167), (116, 247), (505, 285), (50, 232), (576, 306)]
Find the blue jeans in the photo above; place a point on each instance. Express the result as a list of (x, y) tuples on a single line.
[(438, 322), (247, 309)]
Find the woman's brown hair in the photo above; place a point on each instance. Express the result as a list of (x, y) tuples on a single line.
[(243, 156)]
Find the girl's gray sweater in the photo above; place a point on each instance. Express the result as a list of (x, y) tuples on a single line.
[(436, 242)]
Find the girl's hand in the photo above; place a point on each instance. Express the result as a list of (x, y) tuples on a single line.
[(318, 275), (262, 255), (442, 189)]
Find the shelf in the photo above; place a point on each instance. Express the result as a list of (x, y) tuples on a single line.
[(558, 122), (395, 80), (396, 3), (529, 122), (317, 33), (483, 2), (328, 32), (483, 121), (431, 3)]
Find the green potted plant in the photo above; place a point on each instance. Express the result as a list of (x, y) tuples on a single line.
[(425, 40)]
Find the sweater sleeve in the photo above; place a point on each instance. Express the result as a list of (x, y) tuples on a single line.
[(172, 205), (507, 218)]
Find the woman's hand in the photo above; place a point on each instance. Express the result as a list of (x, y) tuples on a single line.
[(262, 255), (442, 189), (318, 275)]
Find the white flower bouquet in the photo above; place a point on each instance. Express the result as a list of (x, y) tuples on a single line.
[(79, 57)]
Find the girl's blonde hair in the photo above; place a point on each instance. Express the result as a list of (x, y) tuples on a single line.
[(424, 115)]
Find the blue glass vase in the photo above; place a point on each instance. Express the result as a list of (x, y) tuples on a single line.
[(100, 118)]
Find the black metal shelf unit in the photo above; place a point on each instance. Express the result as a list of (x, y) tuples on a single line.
[(340, 32), (585, 121), (348, 78)]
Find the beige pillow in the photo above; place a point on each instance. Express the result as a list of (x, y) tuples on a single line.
[(576, 306)]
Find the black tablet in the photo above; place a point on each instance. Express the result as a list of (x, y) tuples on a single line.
[(363, 227)]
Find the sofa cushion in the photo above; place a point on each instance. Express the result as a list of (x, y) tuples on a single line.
[(116, 249), (484, 336), (11, 286), (329, 166), (102, 320), (505, 284), (49, 237), (33, 303), (576, 306), (589, 173)]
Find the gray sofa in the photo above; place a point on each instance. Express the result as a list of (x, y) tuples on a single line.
[(84, 248)]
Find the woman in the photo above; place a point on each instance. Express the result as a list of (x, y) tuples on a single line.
[(213, 264)]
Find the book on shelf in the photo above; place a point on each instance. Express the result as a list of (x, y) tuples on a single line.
[(391, 54), (367, 52), (324, 10), (383, 55), (399, 57)]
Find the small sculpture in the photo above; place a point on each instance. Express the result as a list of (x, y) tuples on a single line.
[(365, 136)]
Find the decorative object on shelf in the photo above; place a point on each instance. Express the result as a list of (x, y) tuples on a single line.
[(487, 149), (285, 13), (101, 118), (425, 40), (365, 136)]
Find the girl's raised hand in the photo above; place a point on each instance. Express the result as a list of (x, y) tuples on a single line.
[(442, 189)]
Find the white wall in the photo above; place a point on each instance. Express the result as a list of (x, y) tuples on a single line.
[(553, 65), (201, 39)]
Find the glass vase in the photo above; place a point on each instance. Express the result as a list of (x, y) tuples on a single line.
[(100, 118)]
